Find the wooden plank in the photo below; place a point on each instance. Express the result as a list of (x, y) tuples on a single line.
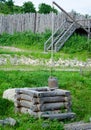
[(27, 92), (49, 106), (23, 97), (61, 116), (55, 99), (38, 114), (43, 99), (57, 92), (23, 103), (32, 92), (41, 89)]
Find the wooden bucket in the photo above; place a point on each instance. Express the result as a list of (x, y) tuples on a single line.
[(52, 82)]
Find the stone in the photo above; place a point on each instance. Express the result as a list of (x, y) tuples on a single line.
[(23, 60), (9, 94), (3, 61), (8, 121), (78, 126)]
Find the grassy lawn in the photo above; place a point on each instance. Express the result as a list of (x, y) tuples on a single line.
[(79, 86), (37, 76)]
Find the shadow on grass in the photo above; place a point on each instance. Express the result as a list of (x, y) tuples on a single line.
[(6, 107)]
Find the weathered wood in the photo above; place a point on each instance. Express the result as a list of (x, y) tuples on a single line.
[(80, 25), (38, 114), (17, 109), (59, 116), (38, 23), (26, 110), (56, 92), (55, 99), (43, 99), (23, 97), (27, 92), (49, 93), (49, 106), (41, 89), (23, 103)]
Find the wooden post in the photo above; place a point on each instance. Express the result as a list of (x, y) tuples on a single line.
[(35, 22)]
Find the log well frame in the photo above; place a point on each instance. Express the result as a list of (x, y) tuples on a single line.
[(43, 102)]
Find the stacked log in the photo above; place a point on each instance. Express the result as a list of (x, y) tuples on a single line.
[(41, 101)]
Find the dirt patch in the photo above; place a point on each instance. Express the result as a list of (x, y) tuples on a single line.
[(11, 48)]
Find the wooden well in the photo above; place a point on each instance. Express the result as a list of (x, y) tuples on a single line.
[(43, 102)]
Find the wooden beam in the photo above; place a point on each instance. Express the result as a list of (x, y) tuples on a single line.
[(59, 116), (50, 106), (70, 17)]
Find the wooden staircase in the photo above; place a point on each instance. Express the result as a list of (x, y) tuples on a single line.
[(60, 36)]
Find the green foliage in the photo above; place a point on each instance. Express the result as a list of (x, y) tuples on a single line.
[(17, 9), (77, 43), (10, 4), (54, 10), (4, 8), (45, 9), (28, 7), (25, 39), (2, 1), (8, 7), (5, 107), (78, 85), (26, 122), (28, 41)]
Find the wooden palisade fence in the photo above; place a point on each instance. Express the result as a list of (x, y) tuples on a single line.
[(35, 22)]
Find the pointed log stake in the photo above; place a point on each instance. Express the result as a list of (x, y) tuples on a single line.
[(71, 17)]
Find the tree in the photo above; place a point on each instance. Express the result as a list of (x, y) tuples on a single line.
[(29, 7), (45, 9), (10, 4), (54, 10), (4, 8), (3, 1), (18, 9)]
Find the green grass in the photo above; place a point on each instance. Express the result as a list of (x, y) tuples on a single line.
[(79, 85), (77, 43), (33, 46), (25, 40)]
